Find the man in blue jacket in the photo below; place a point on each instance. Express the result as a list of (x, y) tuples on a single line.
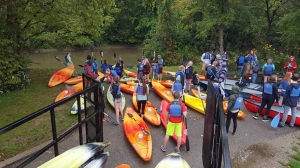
[(290, 100)]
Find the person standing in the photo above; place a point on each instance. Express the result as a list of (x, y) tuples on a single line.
[(160, 63), (268, 69), (117, 96), (154, 66), (118, 69), (104, 67), (291, 65), (205, 58), (68, 60), (142, 91), (189, 75), (88, 69), (212, 57), (225, 58), (255, 71), (240, 65), (251, 57), (221, 78), (235, 102), (95, 66), (146, 70), (211, 71), (176, 110), (270, 93), (179, 80), (219, 62), (121, 63), (285, 82), (290, 100), (140, 69)]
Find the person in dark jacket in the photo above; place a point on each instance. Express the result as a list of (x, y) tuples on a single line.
[(255, 71), (234, 105), (117, 96), (118, 69), (270, 93), (211, 71), (290, 100), (104, 67), (240, 65), (189, 75)]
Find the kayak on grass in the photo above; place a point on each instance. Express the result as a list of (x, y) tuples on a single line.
[(130, 89), (61, 76), (129, 73), (74, 80), (167, 83), (150, 113), (169, 73), (163, 118), (162, 91), (66, 93), (110, 99), (140, 142), (172, 160), (125, 79)]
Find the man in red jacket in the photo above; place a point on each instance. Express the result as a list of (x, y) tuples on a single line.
[(291, 65)]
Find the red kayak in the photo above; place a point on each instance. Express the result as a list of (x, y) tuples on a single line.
[(257, 98), (254, 106), (163, 115)]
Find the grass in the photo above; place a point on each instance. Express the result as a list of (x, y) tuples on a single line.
[(295, 159), (18, 104)]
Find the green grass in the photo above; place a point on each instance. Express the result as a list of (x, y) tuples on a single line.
[(295, 161), (18, 104)]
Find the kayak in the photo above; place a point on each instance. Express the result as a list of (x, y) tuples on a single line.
[(194, 103), (169, 72), (150, 113), (124, 79), (167, 83), (123, 166), (254, 106), (130, 82), (77, 156), (74, 80), (66, 93), (162, 91), (127, 88), (172, 160), (140, 142), (163, 115), (241, 114), (110, 99), (129, 73), (74, 109), (61, 76), (97, 161)]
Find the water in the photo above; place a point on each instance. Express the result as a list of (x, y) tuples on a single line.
[(47, 60)]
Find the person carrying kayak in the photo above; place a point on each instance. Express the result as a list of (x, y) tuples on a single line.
[(240, 65), (205, 58), (176, 110), (104, 67), (269, 94), (250, 58), (115, 90), (291, 65), (179, 81), (268, 69), (142, 92), (189, 75), (290, 100), (160, 64), (210, 71), (235, 102)]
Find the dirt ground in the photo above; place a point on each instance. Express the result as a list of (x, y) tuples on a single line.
[(255, 144)]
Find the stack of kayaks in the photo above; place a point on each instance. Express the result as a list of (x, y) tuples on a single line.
[(66, 93), (110, 99), (140, 142), (130, 89), (162, 91), (61, 76), (166, 83), (254, 106), (172, 160), (74, 80), (129, 73), (163, 117), (150, 111), (80, 156)]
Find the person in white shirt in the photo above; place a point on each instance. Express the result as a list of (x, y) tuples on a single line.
[(205, 58)]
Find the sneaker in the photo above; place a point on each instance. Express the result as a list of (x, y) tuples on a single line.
[(279, 125), (163, 148), (255, 117), (265, 119), (291, 126), (233, 133), (117, 123), (177, 150)]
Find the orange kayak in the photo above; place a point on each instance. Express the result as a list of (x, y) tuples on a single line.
[(163, 115), (61, 76), (130, 82), (127, 88), (201, 77), (73, 81), (162, 91), (150, 111), (141, 143), (166, 83), (129, 73), (65, 93), (241, 114), (169, 72)]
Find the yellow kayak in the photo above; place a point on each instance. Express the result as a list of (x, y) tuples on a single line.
[(194, 103)]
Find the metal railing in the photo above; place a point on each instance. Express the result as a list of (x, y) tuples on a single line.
[(92, 118), (215, 141)]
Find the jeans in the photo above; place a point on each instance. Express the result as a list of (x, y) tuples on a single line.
[(287, 110), (239, 68), (254, 76)]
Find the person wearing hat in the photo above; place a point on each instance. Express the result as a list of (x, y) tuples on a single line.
[(291, 65), (160, 63)]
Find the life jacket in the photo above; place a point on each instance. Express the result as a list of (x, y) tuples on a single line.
[(118, 69), (113, 73), (178, 73), (250, 58), (269, 68), (295, 92), (241, 60), (175, 109), (95, 65), (140, 67), (268, 88), (238, 102), (85, 70), (206, 56), (139, 90), (177, 86), (209, 70), (292, 65), (66, 59), (105, 67), (146, 67), (119, 88), (160, 61), (187, 70)]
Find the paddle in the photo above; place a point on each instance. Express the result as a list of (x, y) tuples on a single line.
[(92, 49), (153, 55), (115, 55), (187, 138), (81, 65), (275, 120), (56, 57), (111, 119), (101, 55), (143, 52), (184, 62), (144, 131)]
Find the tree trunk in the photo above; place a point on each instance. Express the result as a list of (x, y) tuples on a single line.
[(221, 38)]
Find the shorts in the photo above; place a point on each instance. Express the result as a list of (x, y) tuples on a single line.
[(188, 81), (267, 73), (160, 70), (174, 128), (140, 75), (118, 100), (203, 66), (146, 73)]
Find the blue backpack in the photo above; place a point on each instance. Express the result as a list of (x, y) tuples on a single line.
[(268, 88), (241, 60), (238, 102)]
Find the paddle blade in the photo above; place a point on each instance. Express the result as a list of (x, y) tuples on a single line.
[(56, 57), (184, 60), (111, 119), (101, 53), (275, 121)]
